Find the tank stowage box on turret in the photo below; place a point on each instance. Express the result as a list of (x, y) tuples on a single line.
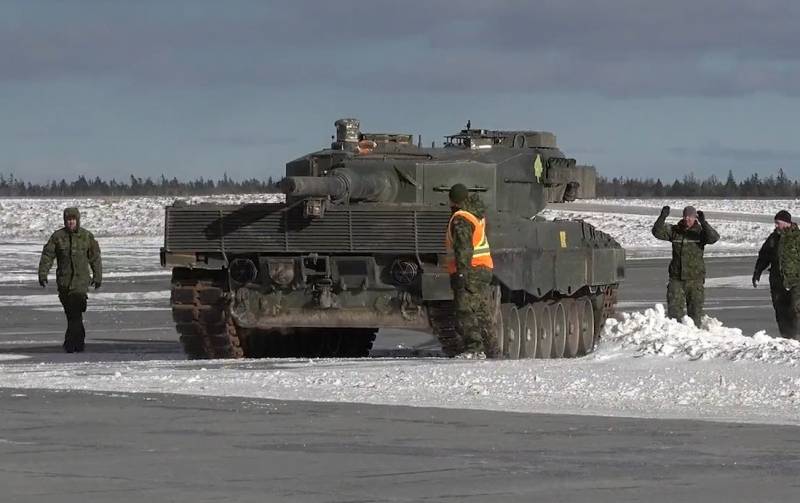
[(359, 245)]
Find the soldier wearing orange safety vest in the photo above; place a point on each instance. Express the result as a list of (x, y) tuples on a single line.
[(470, 266)]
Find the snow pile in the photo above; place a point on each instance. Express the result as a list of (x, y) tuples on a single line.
[(652, 333), (748, 206), (104, 216)]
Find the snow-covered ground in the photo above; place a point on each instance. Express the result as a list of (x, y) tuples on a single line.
[(130, 231), (745, 206), (646, 366), (738, 235)]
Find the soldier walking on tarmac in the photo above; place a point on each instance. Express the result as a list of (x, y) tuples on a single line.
[(781, 253), (687, 270), (76, 251), (470, 266)]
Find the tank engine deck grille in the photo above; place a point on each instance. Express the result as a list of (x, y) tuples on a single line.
[(275, 229)]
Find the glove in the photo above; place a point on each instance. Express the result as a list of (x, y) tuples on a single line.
[(96, 284), (43, 282), (458, 281), (756, 278), (701, 216), (665, 211)]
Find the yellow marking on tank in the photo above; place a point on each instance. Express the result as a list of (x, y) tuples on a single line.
[(537, 168), (563, 236)]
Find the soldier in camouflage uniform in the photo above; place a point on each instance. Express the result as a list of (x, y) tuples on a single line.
[(779, 252), (470, 270), (76, 251), (687, 270)]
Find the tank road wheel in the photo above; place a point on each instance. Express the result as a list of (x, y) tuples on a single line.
[(586, 330), (559, 330), (573, 334), (493, 338), (511, 331), (544, 330), (528, 337)]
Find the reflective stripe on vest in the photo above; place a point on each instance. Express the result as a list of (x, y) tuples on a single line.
[(481, 254)]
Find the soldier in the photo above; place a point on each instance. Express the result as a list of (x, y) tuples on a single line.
[(779, 253), (470, 266), (76, 251), (687, 271)]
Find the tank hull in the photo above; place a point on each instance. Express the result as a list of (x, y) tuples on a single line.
[(318, 276)]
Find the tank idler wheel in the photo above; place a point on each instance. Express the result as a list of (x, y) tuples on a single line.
[(559, 330), (528, 337), (587, 326), (573, 334), (511, 331), (544, 330), (493, 339)]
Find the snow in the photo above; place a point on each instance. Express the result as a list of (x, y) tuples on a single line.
[(104, 216), (633, 232), (744, 206), (99, 299), (652, 333), (646, 366)]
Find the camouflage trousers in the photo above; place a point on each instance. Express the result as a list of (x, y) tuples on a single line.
[(786, 303), (473, 311), (686, 295)]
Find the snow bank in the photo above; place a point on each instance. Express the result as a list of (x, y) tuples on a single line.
[(633, 232), (652, 333), (750, 206), (130, 216)]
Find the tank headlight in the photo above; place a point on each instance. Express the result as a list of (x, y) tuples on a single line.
[(243, 270), (281, 271)]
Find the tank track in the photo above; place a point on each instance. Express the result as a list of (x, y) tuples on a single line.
[(199, 303), (442, 318)]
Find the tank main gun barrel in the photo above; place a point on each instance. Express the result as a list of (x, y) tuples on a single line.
[(342, 184)]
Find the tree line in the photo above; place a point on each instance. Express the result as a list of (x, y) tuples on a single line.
[(778, 185), (10, 186)]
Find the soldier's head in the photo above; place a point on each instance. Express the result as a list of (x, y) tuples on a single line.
[(783, 220), (689, 216), (458, 194), (72, 219)]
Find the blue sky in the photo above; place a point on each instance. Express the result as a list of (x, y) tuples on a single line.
[(197, 88)]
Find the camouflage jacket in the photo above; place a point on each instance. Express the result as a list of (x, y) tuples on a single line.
[(769, 257), (461, 235), (688, 245), (76, 252)]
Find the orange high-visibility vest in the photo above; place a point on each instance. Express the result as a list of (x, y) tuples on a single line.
[(481, 255)]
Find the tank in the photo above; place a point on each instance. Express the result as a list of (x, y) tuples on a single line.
[(359, 245)]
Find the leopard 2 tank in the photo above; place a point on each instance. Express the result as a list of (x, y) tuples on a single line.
[(358, 245)]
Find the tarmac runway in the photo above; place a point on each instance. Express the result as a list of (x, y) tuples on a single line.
[(95, 447), (75, 446)]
